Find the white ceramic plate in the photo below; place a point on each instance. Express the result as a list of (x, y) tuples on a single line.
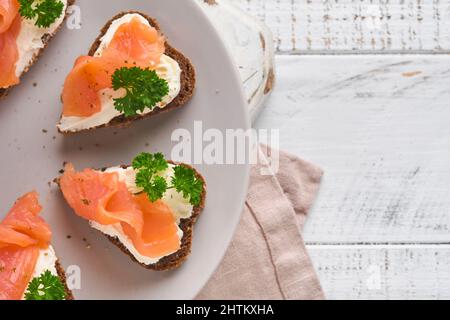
[(32, 152)]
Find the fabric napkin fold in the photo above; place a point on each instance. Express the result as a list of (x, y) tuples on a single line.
[(267, 258)]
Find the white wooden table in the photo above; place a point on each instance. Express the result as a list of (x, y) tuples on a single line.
[(363, 90)]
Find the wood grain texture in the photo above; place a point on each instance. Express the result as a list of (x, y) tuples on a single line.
[(381, 26), (383, 272), (378, 125)]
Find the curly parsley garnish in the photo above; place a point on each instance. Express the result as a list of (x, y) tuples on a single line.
[(144, 89), (149, 165), (46, 12), (185, 180), (46, 287)]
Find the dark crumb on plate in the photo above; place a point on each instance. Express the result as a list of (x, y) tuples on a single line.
[(44, 130), (54, 137), (35, 84), (61, 171), (69, 236)]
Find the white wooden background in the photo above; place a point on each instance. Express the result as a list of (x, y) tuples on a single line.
[(363, 90)]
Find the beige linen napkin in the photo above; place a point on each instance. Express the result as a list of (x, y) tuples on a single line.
[(267, 258)]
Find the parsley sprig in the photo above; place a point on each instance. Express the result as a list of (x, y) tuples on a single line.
[(46, 11), (46, 287), (184, 180), (144, 89), (149, 165)]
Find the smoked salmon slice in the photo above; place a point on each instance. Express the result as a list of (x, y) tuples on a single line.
[(9, 53), (103, 198), (24, 218), (17, 265), (22, 234), (138, 43), (160, 234), (133, 44), (100, 197), (8, 12)]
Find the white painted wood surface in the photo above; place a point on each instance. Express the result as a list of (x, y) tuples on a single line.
[(383, 272), (355, 25), (378, 125), (379, 128)]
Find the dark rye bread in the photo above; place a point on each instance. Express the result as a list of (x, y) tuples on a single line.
[(62, 277), (186, 225), (188, 78), (45, 39)]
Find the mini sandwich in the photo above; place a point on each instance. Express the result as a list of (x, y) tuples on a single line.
[(29, 268), (130, 73), (147, 209), (26, 27)]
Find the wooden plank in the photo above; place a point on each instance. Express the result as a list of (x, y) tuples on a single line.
[(379, 126), (308, 26), (380, 272)]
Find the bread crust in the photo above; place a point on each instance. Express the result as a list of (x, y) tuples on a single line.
[(62, 277), (46, 40), (188, 79)]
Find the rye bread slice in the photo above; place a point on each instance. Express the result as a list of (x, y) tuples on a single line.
[(188, 78), (186, 225), (62, 277), (45, 39)]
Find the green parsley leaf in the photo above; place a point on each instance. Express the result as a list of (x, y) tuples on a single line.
[(144, 89), (46, 287), (154, 162), (186, 182), (149, 165), (156, 188), (46, 12), (26, 9)]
